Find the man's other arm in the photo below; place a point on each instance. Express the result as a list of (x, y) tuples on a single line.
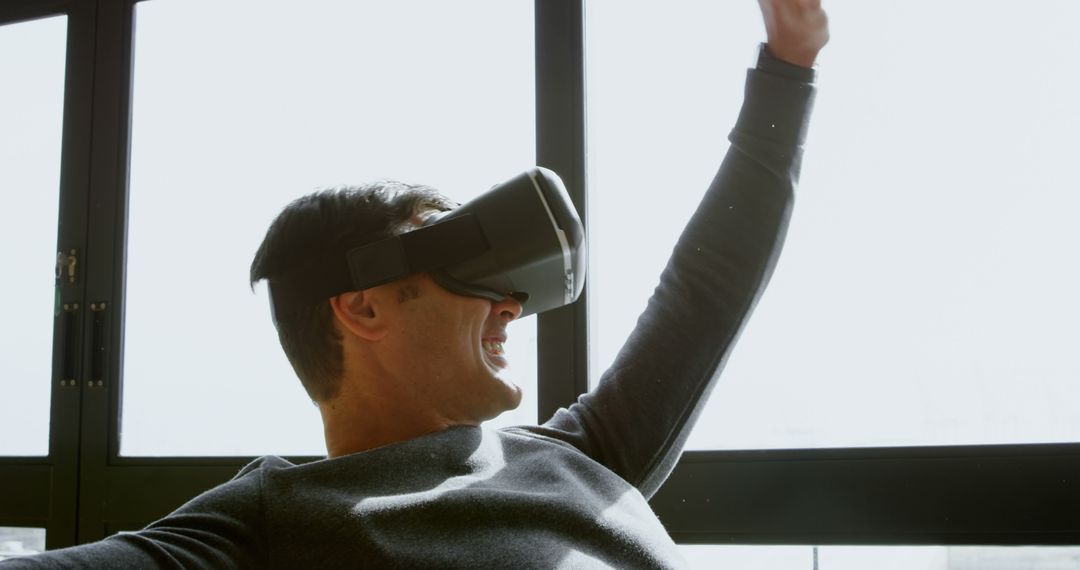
[(220, 528)]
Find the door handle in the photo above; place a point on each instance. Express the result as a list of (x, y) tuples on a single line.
[(70, 322), (97, 346)]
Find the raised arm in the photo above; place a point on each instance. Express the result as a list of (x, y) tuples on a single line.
[(638, 418)]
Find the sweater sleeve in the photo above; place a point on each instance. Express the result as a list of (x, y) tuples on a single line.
[(636, 421), (217, 529)]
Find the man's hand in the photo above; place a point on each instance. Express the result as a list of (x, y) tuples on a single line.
[(797, 29)]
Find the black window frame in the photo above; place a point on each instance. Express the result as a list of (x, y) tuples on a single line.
[(41, 492), (84, 490)]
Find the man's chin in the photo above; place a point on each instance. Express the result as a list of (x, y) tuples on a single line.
[(509, 397), (517, 395), (513, 391)]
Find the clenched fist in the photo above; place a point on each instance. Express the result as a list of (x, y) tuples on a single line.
[(796, 29)]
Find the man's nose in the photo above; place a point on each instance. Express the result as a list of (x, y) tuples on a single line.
[(508, 308)]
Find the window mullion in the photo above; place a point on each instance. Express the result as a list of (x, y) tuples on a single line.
[(104, 260), (560, 146)]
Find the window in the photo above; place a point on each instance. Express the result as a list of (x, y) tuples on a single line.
[(19, 541), (749, 557), (246, 111), (272, 103), (31, 113), (926, 294), (880, 557)]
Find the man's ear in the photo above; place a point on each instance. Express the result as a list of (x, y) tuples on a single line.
[(359, 313)]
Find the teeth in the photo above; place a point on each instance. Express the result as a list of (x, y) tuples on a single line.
[(493, 347)]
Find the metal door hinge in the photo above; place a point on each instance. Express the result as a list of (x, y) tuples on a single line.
[(65, 265)]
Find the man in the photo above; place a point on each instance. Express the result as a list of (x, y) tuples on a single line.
[(405, 372)]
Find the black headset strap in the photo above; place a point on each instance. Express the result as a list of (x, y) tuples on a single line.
[(444, 243), (449, 241)]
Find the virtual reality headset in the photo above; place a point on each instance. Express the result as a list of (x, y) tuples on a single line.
[(522, 238)]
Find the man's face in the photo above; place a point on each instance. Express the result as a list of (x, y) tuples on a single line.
[(454, 349)]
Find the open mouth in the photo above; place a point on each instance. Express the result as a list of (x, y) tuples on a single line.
[(493, 352), (492, 347)]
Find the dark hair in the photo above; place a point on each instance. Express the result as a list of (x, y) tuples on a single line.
[(320, 221)]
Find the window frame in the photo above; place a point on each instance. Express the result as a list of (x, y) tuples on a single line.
[(84, 491), (40, 492)]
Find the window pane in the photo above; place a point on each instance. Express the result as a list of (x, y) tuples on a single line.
[(19, 541), (926, 294), (881, 557), (744, 557), (31, 116), (272, 102), (947, 558)]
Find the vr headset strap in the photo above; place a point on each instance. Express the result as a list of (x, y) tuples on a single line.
[(431, 247), (444, 243)]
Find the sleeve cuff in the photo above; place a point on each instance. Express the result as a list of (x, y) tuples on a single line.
[(770, 64), (775, 114)]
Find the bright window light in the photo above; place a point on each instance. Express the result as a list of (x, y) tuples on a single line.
[(270, 103), (927, 290), (31, 117), (879, 557)]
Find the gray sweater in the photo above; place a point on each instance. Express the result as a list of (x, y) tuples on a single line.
[(569, 493)]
